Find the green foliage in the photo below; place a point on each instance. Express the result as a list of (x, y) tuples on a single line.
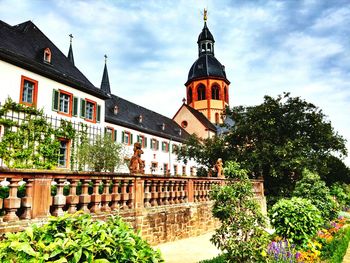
[(313, 188), (241, 234), (102, 155), (277, 140), (77, 238), (31, 143), (296, 219), (334, 251), (218, 259), (341, 192)]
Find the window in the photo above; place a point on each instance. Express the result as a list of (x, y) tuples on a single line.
[(154, 167), (189, 96), (225, 94), (175, 169), (47, 55), (90, 110), (29, 91), (201, 92), (165, 146), (154, 144), (203, 47), (215, 92), (175, 148), (165, 169), (142, 140), (208, 47), (217, 118), (191, 171), (63, 156), (127, 138), (183, 170), (64, 103), (109, 131)]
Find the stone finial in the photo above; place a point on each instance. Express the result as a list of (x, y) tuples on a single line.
[(219, 168)]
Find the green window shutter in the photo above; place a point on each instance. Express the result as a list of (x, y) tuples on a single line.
[(82, 108), (145, 142), (75, 106), (123, 133), (115, 135), (157, 145), (98, 116), (131, 139), (105, 130), (138, 139), (163, 146), (55, 98)]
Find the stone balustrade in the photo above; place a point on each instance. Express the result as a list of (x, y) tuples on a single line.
[(56, 192)]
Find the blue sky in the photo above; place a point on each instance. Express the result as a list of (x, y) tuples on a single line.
[(267, 47)]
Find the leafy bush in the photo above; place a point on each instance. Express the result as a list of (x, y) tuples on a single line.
[(77, 238), (342, 194), (296, 219), (241, 235), (218, 259), (313, 188), (335, 250)]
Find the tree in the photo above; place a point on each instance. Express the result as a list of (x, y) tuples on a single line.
[(277, 140), (241, 233)]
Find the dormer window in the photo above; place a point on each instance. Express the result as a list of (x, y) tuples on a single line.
[(163, 126), (116, 110), (47, 55), (140, 118)]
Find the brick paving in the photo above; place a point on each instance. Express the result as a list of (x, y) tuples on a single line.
[(189, 250)]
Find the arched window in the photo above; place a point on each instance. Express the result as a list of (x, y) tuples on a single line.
[(201, 92), (47, 55), (189, 96), (217, 118), (203, 47), (225, 94), (215, 92), (208, 47)]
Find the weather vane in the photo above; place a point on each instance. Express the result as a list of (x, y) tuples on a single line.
[(105, 58), (205, 15), (71, 37)]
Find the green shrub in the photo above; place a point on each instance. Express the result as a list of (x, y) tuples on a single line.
[(342, 194), (218, 259), (296, 219), (335, 250), (77, 238), (241, 234), (313, 188)]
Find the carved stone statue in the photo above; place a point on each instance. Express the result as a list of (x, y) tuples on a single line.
[(218, 168), (136, 165)]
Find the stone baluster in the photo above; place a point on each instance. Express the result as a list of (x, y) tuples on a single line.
[(131, 194), (27, 201), (206, 189), (72, 199), (154, 193), (59, 200), (124, 195), (175, 191), (147, 193), (178, 192), (12, 203), (115, 195), (85, 198), (185, 191), (166, 193), (171, 193), (106, 196), (96, 197), (196, 191), (181, 192), (161, 193), (202, 191)]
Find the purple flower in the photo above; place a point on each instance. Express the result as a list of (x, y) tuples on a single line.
[(297, 255)]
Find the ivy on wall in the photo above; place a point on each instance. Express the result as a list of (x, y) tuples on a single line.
[(29, 139)]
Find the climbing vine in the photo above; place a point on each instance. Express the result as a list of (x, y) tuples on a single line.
[(29, 139)]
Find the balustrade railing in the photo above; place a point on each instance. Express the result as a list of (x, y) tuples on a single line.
[(54, 193)]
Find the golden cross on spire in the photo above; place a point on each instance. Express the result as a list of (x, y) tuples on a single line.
[(71, 37), (205, 15)]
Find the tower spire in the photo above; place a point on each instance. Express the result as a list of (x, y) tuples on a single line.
[(105, 80), (70, 52)]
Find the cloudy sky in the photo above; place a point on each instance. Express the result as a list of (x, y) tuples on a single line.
[(268, 47)]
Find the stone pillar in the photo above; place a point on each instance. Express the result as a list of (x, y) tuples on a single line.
[(26, 201), (147, 193), (106, 196), (59, 200), (96, 197), (190, 191), (124, 195), (139, 193), (154, 193), (12, 203), (115, 195), (131, 191), (41, 197), (85, 198), (72, 199)]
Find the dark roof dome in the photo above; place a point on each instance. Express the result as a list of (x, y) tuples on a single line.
[(205, 34), (206, 66)]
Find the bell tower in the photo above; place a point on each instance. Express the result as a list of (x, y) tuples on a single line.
[(207, 88)]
